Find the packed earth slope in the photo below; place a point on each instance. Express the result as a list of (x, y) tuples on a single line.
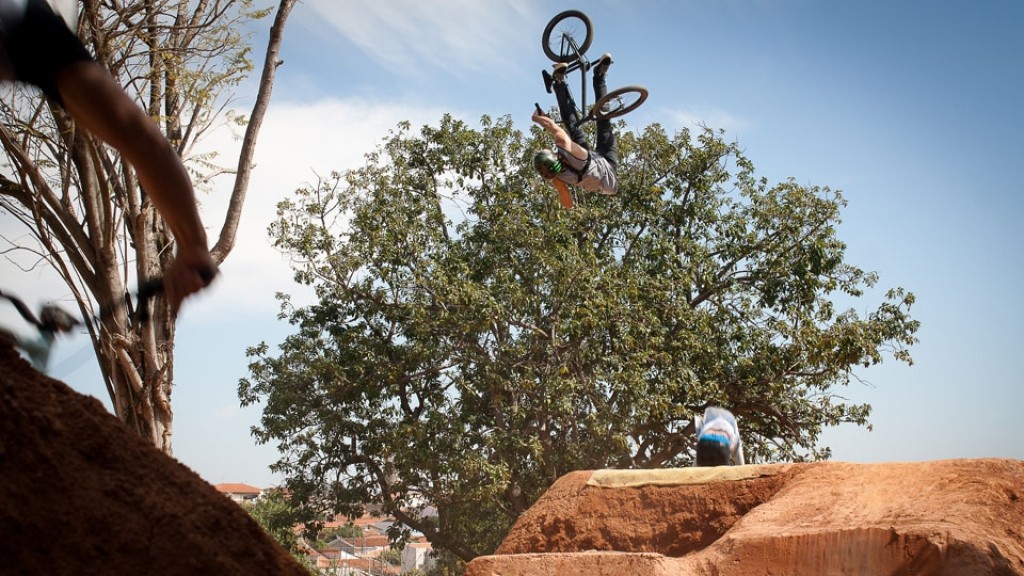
[(81, 494), (952, 517)]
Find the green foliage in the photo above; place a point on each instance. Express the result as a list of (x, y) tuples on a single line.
[(473, 341), (275, 514), (392, 556), (349, 530)]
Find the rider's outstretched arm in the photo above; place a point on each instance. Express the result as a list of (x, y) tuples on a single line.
[(100, 105), (561, 137), (562, 140)]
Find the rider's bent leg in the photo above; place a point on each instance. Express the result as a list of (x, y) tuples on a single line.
[(570, 117), (605, 134)]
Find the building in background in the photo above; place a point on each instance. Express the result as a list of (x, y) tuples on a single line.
[(238, 492)]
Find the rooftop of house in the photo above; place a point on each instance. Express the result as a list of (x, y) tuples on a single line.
[(237, 488)]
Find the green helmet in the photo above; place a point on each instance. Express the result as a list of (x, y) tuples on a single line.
[(547, 163)]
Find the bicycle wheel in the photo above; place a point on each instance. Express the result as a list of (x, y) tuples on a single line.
[(563, 31), (619, 101)]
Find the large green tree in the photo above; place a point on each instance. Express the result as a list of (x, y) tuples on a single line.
[(86, 215), (473, 341)]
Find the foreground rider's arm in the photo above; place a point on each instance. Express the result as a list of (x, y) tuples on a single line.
[(99, 105)]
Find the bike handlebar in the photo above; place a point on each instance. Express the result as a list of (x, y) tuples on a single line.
[(154, 286)]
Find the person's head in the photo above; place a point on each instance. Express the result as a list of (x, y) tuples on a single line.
[(54, 319), (547, 163), (712, 451)]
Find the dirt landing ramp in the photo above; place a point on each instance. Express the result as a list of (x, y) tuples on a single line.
[(951, 517), (81, 494)]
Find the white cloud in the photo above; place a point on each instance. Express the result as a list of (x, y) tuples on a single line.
[(454, 35), (297, 143)]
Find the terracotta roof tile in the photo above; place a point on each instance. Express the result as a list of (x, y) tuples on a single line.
[(237, 488)]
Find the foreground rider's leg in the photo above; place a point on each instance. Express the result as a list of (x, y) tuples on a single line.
[(570, 117), (605, 134)]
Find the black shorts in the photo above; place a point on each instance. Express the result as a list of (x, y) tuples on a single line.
[(40, 46), (712, 453)]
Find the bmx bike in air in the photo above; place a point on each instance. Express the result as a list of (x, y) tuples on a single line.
[(566, 39)]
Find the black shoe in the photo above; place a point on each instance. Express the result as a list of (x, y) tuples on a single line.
[(547, 80), (600, 67)]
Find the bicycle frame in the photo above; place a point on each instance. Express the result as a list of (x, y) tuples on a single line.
[(581, 63)]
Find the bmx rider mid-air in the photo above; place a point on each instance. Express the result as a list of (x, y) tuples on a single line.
[(573, 161)]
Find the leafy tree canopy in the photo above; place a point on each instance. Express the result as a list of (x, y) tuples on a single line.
[(472, 341), (276, 515)]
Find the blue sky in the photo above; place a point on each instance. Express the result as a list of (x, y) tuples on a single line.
[(910, 108)]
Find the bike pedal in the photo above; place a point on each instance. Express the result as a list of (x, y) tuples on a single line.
[(547, 80)]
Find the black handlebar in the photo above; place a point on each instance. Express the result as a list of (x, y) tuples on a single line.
[(154, 286)]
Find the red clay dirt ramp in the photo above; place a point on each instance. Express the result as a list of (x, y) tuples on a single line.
[(951, 518), (81, 494)]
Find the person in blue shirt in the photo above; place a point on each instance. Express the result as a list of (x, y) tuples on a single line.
[(718, 439)]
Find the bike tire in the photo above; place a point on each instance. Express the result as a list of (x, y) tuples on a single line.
[(619, 101), (572, 23)]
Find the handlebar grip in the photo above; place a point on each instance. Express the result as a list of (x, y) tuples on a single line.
[(150, 288), (154, 286), (147, 290)]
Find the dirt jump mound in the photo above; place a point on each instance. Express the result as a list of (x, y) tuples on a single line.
[(81, 494), (954, 517)]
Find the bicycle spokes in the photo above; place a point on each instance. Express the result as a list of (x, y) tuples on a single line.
[(567, 36)]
